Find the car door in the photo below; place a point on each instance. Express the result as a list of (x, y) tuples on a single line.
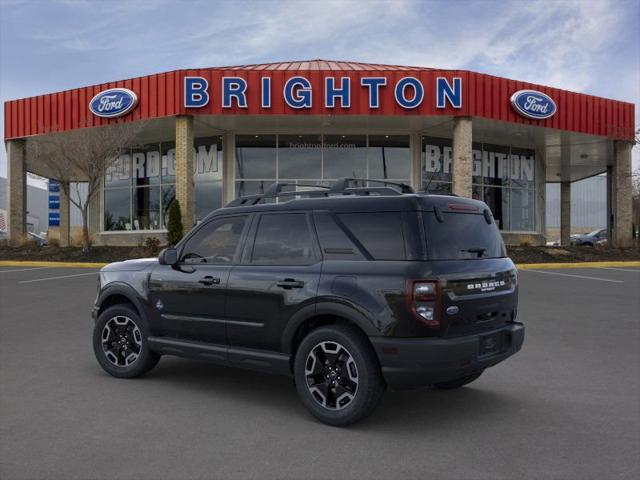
[(190, 296), (278, 275)]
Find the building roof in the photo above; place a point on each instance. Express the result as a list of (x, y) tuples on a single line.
[(161, 95), (320, 64)]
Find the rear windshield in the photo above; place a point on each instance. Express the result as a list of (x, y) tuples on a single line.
[(462, 236)]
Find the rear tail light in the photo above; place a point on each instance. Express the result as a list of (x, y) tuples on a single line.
[(423, 301)]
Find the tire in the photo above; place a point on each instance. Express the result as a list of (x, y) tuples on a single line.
[(458, 382), (347, 388), (121, 328)]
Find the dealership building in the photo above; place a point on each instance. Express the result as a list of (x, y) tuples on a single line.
[(207, 136)]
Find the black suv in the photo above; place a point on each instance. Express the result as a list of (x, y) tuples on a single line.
[(347, 288)]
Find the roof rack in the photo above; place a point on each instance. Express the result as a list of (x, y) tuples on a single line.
[(340, 187)]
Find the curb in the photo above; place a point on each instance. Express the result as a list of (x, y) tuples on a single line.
[(520, 266)]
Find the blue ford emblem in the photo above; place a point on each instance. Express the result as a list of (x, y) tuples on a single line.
[(533, 104), (452, 310), (114, 102)]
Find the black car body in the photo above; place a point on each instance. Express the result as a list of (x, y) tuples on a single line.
[(422, 281)]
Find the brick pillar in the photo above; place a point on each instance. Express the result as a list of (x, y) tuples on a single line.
[(16, 191), (565, 213), (184, 170), (65, 216), (228, 167), (621, 185), (462, 156)]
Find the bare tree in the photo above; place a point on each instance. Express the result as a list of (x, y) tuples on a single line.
[(82, 156)]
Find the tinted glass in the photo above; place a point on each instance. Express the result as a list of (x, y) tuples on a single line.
[(334, 242), (345, 156), (207, 160), (299, 156), (255, 156), (146, 208), (389, 157), (208, 196), (459, 233), (283, 240), (379, 233), (117, 209), (215, 243)]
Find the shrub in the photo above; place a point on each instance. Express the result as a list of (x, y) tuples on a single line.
[(152, 246), (174, 225)]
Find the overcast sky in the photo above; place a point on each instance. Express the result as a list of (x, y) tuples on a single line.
[(582, 45)]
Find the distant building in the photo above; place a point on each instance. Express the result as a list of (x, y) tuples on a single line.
[(37, 207)]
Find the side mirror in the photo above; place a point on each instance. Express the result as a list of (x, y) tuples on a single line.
[(168, 256)]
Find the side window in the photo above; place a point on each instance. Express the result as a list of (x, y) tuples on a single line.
[(335, 244), (380, 233), (283, 239), (214, 243)]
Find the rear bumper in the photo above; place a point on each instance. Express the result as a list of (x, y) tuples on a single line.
[(417, 362)]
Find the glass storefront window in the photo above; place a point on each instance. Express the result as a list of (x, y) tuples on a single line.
[(503, 177), (521, 205), (207, 159), (208, 197), (118, 174), (149, 173), (168, 162), (299, 156), (146, 208), (436, 161), (117, 209), (255, 156), (344, 156), (389, 157), (168, 195)]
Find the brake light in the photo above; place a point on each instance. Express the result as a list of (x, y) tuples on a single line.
[(423, 301), (462, 207)]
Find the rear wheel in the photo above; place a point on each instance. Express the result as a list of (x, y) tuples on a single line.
[(337, 375), (458, 382), (120, 343)]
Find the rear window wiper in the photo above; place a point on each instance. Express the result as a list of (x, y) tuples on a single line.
[(479, 250)]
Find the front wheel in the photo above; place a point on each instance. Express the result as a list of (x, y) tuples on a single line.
[(120, 343), (337, 375)]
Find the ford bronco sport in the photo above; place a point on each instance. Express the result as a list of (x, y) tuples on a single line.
[(348, 289)]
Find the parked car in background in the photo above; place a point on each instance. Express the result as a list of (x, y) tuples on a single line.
[(591, 239), (41, 241)]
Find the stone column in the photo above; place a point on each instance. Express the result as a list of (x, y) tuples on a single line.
[(462, 156), (565, 213), (621, 235), (65, 216), (184, 170), (228, 167), (16, 191)]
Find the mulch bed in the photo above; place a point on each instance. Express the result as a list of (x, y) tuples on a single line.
[(113, 254)]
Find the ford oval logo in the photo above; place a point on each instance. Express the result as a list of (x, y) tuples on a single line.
[(114, 102), (533, 104)]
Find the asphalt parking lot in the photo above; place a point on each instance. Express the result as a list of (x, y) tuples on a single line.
[(567, 406)]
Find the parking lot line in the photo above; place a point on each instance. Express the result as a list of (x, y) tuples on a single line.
[(576, 276), (637, 270), (57, 278), (23, 269)]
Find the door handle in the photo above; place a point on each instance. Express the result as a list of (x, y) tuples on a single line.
[(289, 283), (209, 280)]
